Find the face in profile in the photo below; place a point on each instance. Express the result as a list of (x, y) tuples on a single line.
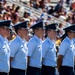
[(6, 31)]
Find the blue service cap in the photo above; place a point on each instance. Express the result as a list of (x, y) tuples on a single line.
[(5, 23), (70, 28), (39, 24), (21, 25), (52, 26)]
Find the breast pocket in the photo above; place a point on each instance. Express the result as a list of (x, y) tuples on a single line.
[(3, 50), (23, 51), (39, 48), (51, 50), (71, 48)]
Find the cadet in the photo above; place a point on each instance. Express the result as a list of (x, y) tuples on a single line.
[(4, 47), (65, 59), (19, 50), (74, 55), (49, 50), (35, 50)]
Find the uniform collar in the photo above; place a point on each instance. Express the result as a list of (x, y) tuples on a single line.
[(2, 38), (21, 40), (39, 40), (74, 39), (50, 41), (69, 40)]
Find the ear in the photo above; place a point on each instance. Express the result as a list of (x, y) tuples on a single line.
[(18, 31), (69, 33), (48, 31), (1, 30)]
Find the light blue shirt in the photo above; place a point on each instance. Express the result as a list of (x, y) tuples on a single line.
[(4, 55), (49, 53), (35, 52), (74, 49), (19, 53), (67, 50)]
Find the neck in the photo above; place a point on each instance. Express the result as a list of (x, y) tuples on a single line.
[(70, 37), (3, 35), (22, 37), (38, 36), (52, 38)]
